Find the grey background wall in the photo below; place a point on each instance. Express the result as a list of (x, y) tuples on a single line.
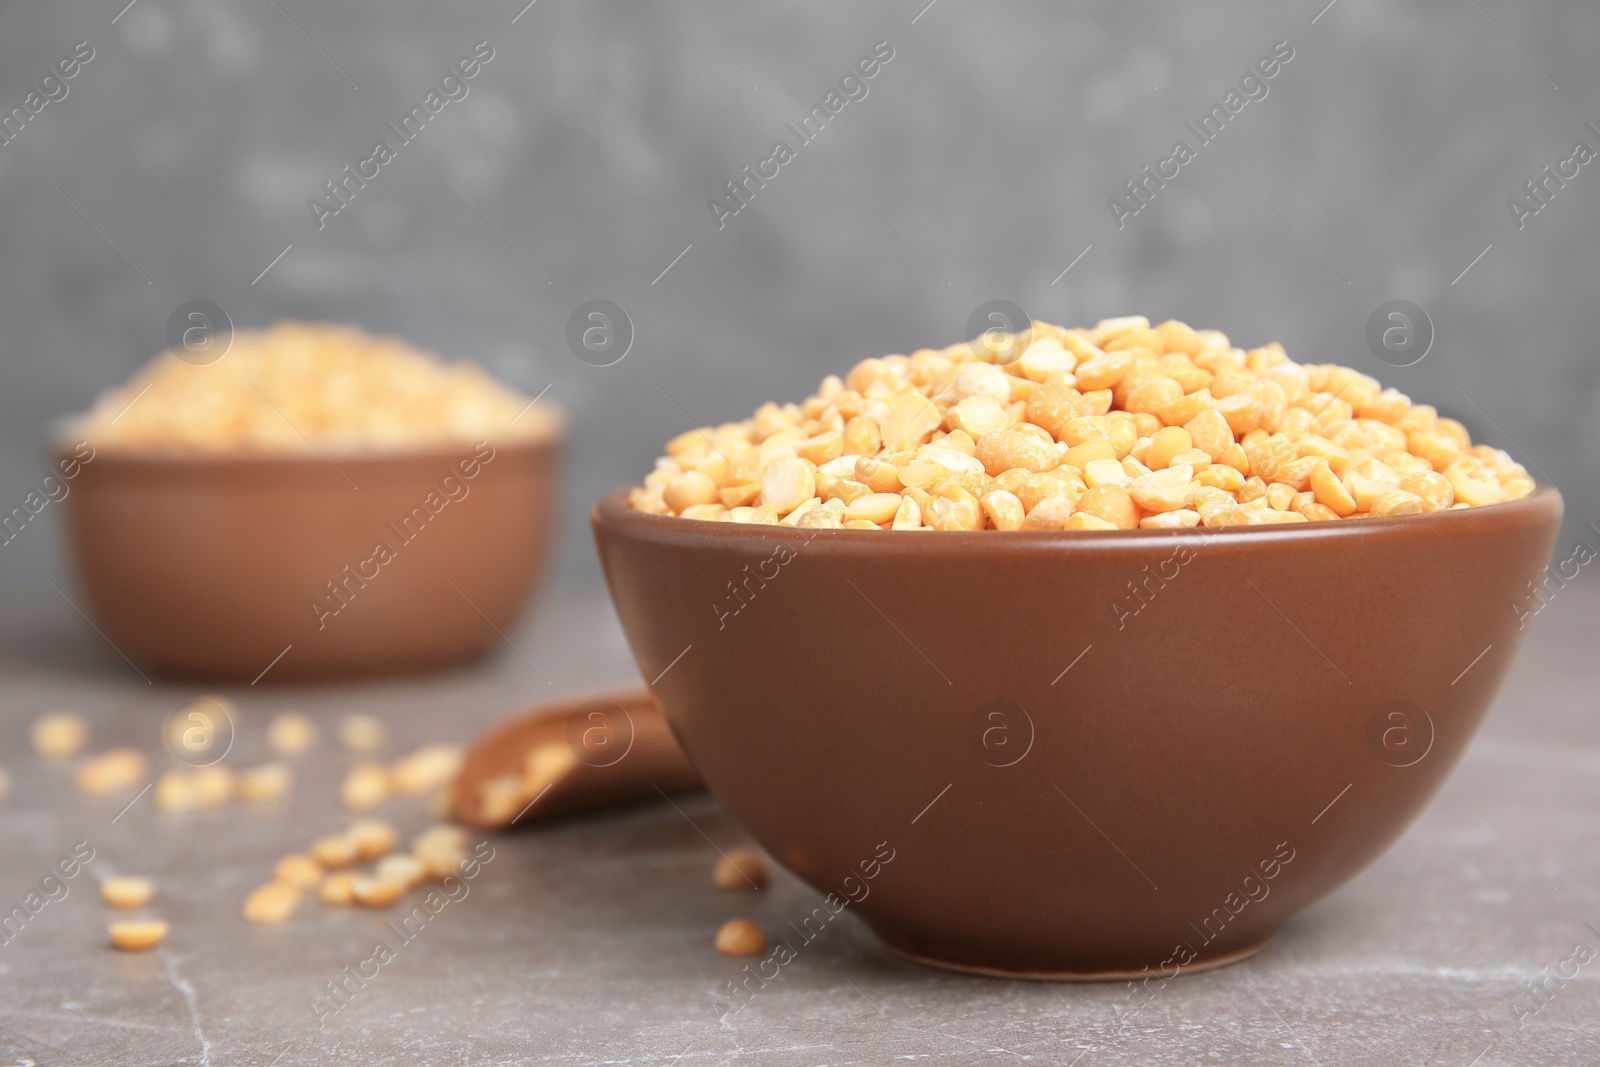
[(978, 166)]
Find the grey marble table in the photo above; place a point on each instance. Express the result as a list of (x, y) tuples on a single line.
[(590, 943)]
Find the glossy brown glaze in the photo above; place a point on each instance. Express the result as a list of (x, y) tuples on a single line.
[(211, 567), (1089, 753), (624, 750)]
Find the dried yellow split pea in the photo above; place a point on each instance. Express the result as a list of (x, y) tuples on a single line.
[(429, 767), (59, 734), (213, 784), (545, 765), (440, 850), (266, 782), (336, 888), (405, 869), (441, 835), (175, 792), (137, 935), (372, 838), (365, 786), (298, 871), (192, 789), (500, 799), (740, 937), (272, 903), (121, 768), (127, 891), (362, 733), (291, 732), (377, 892), (740, 868), (335, 850)]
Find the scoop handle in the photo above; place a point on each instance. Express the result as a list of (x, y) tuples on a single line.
[(571, 757)]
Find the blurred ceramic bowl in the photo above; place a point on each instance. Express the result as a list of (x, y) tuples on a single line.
[(348, 564), (1083, 755)]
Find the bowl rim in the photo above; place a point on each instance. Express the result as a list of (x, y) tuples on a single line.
[(1545, 503)]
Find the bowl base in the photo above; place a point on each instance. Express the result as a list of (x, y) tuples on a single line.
[(1204, 963)]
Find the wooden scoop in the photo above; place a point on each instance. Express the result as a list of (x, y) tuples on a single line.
[(570, 757)]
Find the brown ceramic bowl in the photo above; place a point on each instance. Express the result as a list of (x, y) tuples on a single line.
[(213, 567), (1087, 754)]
